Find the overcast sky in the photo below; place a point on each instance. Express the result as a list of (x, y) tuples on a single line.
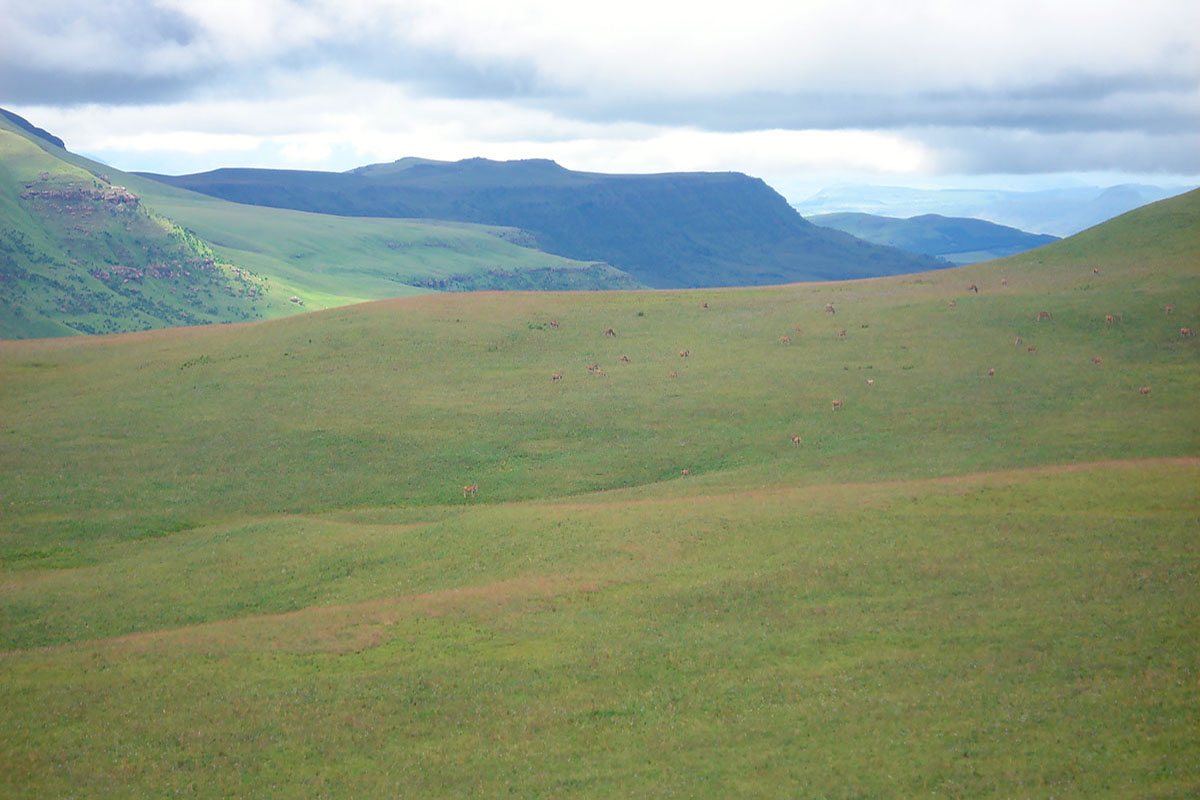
[(1013, 94)]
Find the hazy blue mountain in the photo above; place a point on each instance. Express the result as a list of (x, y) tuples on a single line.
[(958, 240), (1060, 212), (667, 230)]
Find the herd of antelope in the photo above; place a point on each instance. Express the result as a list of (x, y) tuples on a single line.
[(839, 403)]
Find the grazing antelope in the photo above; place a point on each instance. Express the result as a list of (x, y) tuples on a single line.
[(684, 353), (600, 373), (1109, 319), (593, 367), (1030, 349), (1043, 315), (609, 332), (870, 381), (625, 359), (470, 490), (797, 329), (837, 405), (1018, 341), (704, 305), (796, 440), (829, 308), (973, 288), (1096, 360), (991, 371), (1186, 332), (785, 340), (842, 333), (1144, 390), (1004, 281), (553, 323), (954, 304), (1169, 309), (556, 377), (685, 472), (672, 374)]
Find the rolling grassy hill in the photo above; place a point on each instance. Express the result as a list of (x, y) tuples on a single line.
[(956, 239), (88, 249), (239, 560), (668, 231)]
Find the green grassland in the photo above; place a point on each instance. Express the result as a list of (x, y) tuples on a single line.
[(75, 260), (237, 560)]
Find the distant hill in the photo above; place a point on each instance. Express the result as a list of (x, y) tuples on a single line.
[(958, 240), (88, 249), (667, 230), (1060, 212)]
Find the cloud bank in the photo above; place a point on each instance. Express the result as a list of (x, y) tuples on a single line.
[(862, 86)]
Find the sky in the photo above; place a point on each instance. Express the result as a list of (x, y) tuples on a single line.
[(804, 94)]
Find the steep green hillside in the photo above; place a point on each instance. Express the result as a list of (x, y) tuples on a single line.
[(956, 239), (240, 560), (80, 255), (88, 249), (673, 230)]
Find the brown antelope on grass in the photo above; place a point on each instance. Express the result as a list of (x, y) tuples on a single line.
[(609, 332), (1144, 390), (672, 374), (684, 353), (556, 377), (1043, 315), (1169, 309), (1096, 360), (785, 339), (1109, 319), (685, 472), (1186, 332), (842, 333), (1018, 341), (991, 371), (973, 288), (1004, 281), (796, 440), (1030, 349), (470, 490), (870, 381), (837, 405), (553, 323), (625, 359), (829, 308)]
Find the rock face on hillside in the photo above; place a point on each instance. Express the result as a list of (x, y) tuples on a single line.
[(668, 231)]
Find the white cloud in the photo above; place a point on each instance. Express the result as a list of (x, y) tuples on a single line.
[(777, 89)]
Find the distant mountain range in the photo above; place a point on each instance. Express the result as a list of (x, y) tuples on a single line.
[(956, 239), (85, 248), (667, 231), (1060, 212)]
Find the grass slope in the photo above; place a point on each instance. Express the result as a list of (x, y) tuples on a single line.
[(79, 255), (668, 231), (184, 258), (956, 239), (241, 562)]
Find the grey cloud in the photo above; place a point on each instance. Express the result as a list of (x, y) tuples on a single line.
[(990, 151), (1132, 102), (21, 84)]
